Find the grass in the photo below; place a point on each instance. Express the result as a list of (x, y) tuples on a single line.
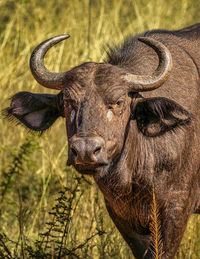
[(155, 228), (33, 170)]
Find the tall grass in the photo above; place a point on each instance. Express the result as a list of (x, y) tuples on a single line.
[(29, 194)]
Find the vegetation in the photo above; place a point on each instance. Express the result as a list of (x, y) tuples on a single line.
[(47, 210)]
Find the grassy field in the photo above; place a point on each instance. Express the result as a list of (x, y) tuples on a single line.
[(46, 208)]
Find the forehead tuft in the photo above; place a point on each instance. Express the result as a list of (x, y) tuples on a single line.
[(80, 74), (78, 81), (101, 79), (108, 80), (107, 74)]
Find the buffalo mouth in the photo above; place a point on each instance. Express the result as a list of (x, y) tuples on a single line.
[(90, 169)]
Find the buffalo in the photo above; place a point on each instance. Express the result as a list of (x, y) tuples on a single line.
[(133, 124)]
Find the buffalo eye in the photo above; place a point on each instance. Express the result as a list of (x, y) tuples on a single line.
[(119, 103)]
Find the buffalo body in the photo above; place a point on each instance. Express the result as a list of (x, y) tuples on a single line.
[(132, 124)]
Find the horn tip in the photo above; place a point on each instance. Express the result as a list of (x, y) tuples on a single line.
[(66, 35), (62, 37)]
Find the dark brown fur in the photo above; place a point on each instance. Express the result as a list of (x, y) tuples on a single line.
[(152, 139)]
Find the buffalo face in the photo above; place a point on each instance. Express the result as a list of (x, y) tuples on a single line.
[(96, 116)]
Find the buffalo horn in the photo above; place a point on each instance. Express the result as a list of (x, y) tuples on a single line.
[(141, 83), (41, 74)]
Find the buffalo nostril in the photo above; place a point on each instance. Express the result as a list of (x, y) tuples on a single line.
[(86, 150), (74, 152)]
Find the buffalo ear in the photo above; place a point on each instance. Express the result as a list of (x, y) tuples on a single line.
[(156, 116), (36, 111)]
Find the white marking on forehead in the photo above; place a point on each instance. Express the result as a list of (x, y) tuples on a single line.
[(109, 115), (72, 115)]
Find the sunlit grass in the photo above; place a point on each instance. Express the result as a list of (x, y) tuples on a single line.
[(23, 25)]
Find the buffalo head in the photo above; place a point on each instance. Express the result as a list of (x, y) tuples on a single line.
[(98, 100)]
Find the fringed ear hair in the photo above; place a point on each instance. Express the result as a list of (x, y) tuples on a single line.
[(156, 116), (36, 111)]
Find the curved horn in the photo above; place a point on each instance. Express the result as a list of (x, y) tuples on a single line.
[(141, 83), (41, 74)]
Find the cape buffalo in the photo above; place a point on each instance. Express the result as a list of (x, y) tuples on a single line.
[(133, 123)]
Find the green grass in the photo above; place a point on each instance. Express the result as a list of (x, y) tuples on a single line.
[(30, 182)]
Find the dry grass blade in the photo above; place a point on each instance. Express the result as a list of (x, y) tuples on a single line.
[(155, 228)]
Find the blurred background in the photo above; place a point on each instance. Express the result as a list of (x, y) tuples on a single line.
[(47, 210)]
